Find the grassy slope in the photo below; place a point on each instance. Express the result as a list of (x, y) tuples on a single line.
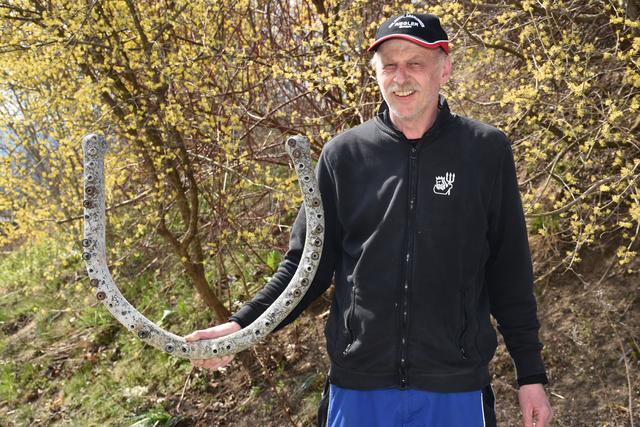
[(64, 361)]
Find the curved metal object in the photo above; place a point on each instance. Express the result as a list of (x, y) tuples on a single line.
[(107, 292)]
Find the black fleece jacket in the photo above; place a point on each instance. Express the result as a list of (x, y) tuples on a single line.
[(427, 239)]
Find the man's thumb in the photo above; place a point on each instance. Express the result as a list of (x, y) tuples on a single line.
[(200, 335)]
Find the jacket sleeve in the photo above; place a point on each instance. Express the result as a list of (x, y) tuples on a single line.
[(509, 273), (280, 280)]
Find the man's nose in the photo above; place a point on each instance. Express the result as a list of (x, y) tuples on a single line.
[(401, 74)]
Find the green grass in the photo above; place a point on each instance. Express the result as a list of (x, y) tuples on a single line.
[(65, 360), (64, 356)]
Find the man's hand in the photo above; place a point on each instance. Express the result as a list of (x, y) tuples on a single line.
[(536, 410), (215, 332)]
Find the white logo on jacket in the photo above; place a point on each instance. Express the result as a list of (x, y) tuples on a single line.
[(444, 184)]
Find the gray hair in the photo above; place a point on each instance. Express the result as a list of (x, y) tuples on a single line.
[(375, 58)]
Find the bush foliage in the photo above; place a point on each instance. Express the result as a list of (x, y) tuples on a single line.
[(196, 98)]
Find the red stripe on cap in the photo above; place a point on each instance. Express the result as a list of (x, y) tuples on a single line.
[(440, 43)]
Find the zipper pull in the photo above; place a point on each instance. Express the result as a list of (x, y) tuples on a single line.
[(463, 353), (346, 350)]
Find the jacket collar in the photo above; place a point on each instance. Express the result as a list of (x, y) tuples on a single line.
[(443, 116)]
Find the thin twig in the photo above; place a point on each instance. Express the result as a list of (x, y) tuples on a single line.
[(119, 205), (184, 388), (566, 207)]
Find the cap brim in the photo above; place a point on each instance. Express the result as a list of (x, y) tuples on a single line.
[(444, 44)]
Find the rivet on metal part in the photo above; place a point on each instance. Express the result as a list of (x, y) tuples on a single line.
[(101, 295), (169, 348), (143, 334), (94, 282), (86, 256), (86, 242)]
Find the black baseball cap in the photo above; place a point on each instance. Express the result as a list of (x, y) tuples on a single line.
[(421, 28)]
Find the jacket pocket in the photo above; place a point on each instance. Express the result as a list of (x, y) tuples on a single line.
[(348, 321), (463, 322)]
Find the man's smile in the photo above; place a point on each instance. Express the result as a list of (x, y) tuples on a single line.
[(404, 94)]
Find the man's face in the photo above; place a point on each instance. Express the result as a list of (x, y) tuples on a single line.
[(410, 77)]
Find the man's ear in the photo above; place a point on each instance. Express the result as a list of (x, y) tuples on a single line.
[(447, 65)]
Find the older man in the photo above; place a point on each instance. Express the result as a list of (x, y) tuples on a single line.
[(426, 235)]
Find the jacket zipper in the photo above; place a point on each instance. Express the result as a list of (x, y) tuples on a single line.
[(413, 156), (463, 326), (349, 317)]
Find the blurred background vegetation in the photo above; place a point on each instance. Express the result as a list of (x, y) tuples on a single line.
[(196, 98)]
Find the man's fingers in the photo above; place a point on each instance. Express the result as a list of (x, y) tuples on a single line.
[(543, 417), (527, 417)]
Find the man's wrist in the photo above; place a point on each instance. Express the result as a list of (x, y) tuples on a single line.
[(533, 379)]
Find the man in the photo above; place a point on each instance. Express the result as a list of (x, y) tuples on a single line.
[(425, 231)]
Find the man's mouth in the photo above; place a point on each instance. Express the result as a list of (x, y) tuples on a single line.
[(404, 94)]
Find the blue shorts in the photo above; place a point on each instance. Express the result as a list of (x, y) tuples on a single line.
[(409, 408)]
